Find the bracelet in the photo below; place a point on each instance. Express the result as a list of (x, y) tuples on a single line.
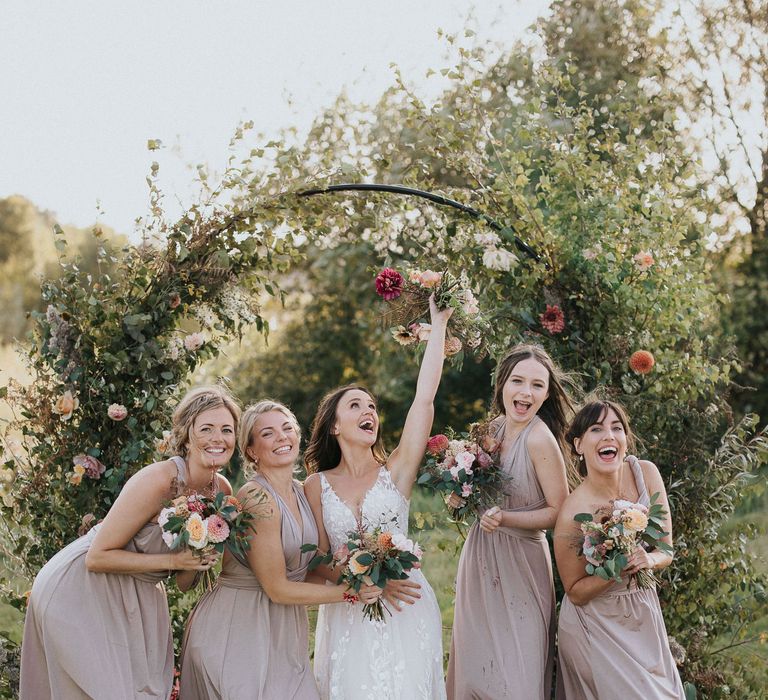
[(351, 598)]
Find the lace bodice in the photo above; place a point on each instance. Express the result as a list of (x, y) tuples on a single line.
[(383, 506)]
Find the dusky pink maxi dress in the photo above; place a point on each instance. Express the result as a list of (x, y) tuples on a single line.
[(504, 619), (94, 635), (239, 644), (616, 645)]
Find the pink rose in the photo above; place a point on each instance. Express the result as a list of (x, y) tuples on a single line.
[(194, 341), (92, 466), (430, 279), (484, 460), (466, 490), (464, 460), (117, 412), (66, 405)]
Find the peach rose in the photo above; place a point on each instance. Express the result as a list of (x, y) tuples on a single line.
[(66, 405)]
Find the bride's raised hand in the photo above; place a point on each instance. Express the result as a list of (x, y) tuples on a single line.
[(438, 315)]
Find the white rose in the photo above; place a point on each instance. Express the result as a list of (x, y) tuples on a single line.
[(499, 259)]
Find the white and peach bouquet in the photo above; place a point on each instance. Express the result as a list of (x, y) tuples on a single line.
[(613, 533), (466, 465), (407, 297), (371, 557), (207, 524)]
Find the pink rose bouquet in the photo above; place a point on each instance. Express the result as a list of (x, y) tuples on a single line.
[(207, 524), (467, 465), (612, 534)]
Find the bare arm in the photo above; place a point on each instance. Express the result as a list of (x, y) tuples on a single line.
[(405, 460), (267, 561), (139, 502), (550, 471), (579, 586)]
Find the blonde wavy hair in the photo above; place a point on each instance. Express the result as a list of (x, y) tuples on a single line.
[(195, 402), (250, 416)]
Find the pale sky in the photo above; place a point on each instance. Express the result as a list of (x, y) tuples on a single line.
[(84, 83)]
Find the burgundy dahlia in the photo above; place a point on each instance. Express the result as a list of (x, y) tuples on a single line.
[(389, 284)]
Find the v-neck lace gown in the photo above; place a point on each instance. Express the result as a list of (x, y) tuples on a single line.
[(239, 644), (400, 658)]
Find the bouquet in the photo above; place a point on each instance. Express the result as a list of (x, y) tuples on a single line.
[(372, 558), (208, 524), (408, 301), (467, 465), (619, 529)]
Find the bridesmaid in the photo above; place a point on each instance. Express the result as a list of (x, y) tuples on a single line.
[(249, 636), (97, 624), (504, 618), (611, 637)]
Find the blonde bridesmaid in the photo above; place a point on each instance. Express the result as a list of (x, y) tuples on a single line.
[(504, 619), (612, 640), (97, 624), (249, 636)]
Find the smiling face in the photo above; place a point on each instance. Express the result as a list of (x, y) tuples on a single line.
[(604, 444), (274, 442), (356, 418), (525, 390), (212, 438)]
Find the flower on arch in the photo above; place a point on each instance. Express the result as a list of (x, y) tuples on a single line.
[(641, 361), (553, 319)]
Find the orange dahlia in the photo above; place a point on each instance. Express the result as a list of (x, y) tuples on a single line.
[(641, 362), (385, 541)]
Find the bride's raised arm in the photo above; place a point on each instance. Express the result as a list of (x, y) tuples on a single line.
[(405, 459)]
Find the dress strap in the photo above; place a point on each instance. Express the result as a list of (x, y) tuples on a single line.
[(181, 473), (637, 473)]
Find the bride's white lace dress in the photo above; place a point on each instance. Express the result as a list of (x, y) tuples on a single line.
[(357, 659)]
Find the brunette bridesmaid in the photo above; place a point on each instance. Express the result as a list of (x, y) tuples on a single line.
[(97, 624), (249, 636), (504, 618), (612, 640)]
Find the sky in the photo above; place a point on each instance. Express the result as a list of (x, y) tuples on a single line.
[(85, 84)]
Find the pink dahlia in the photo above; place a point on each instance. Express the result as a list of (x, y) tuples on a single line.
[(194, 505), (218, 530), (437, 444), (553, 319), (389, 284)]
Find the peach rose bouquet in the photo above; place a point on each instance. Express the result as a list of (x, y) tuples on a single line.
[(466, 464), (371, 557), (613, 533), (208, 524)]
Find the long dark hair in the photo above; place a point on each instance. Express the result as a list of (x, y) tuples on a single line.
[(323, 451), (590, 413)]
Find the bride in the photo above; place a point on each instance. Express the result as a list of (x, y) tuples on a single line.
[(353, 482)]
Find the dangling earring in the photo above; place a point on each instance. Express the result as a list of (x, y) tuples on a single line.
[(581, 457)]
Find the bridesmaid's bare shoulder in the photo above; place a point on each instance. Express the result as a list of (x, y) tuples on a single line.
[(578, 501), (541, 437)]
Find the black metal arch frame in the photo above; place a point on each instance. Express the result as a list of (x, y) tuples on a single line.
[(521, 245)]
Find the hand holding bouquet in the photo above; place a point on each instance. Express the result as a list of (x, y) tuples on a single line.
[(408, 301), (371, 558), (207, 525), (618, 531), (468, 466)]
